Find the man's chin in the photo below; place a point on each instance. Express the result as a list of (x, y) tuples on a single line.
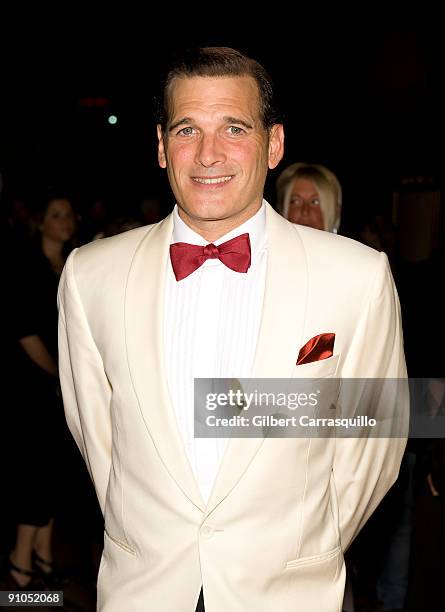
[(207, 211)]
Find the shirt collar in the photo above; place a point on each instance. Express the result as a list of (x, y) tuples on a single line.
[(255, 227)]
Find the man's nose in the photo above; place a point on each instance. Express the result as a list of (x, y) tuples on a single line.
[(210, 151)]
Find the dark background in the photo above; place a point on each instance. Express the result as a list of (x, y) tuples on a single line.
[(368, 104), (365, 102)]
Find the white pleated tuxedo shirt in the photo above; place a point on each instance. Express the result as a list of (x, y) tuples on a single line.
[(211, 324)]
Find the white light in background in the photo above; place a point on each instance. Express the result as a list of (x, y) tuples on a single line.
[(112, 119)]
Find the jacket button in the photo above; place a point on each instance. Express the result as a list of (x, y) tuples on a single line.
[(207, 531)]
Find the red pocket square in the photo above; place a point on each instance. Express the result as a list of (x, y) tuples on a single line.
[(318, 348)]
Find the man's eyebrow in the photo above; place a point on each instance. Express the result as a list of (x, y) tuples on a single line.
[(238, 121), (180, 122)]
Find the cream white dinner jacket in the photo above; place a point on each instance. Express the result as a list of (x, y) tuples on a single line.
[(282, 511)]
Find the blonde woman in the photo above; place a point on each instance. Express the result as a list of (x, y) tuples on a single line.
[(310, 194)]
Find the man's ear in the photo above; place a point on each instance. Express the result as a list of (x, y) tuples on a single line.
[(276, 145), (161, 148)]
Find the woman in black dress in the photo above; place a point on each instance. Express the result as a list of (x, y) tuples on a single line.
[(37, 410)]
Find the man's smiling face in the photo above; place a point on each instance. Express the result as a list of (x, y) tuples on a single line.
[(216, 149)]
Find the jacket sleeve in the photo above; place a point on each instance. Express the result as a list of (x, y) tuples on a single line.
[(85, 388), (365, 468)]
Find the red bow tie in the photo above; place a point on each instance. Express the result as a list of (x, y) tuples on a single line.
[(186, 258)]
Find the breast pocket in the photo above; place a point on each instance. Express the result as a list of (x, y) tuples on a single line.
[(325, 368), (318, 382)]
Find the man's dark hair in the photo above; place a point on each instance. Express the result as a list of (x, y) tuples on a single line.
[(219, 62)]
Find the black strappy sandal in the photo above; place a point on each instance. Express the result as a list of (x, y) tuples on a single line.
[(52, 578), (35, 584)]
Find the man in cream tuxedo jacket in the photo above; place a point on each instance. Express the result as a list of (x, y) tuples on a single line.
[(254, 525)]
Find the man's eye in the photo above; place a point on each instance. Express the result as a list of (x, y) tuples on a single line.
[(187, 131), (315, 202), (235, 130)]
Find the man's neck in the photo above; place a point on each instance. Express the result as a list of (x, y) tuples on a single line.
[(212, 230)]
